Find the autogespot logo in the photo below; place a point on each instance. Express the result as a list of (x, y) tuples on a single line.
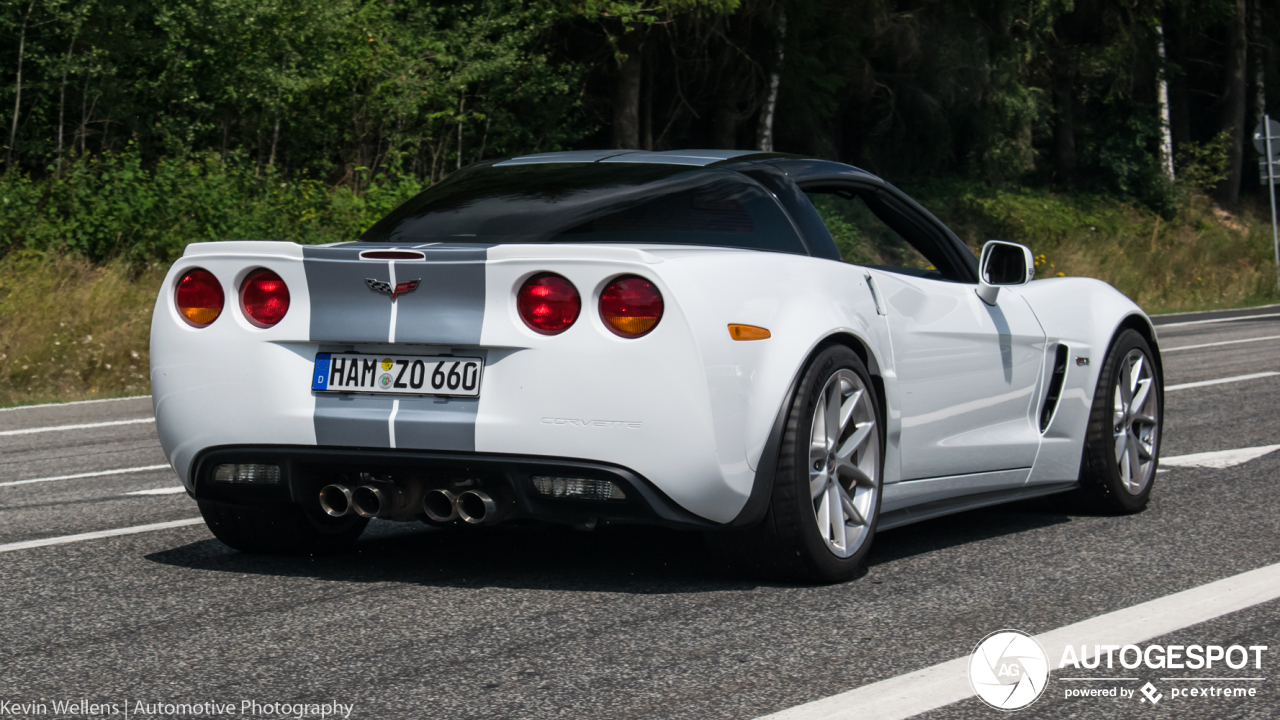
[(1008, 670)]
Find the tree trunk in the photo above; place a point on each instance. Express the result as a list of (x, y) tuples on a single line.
[(626, 92), (1179, 102), (765, 136), (462, 106), (1234, 102), (648, 106), (62, 102), (1064, 130), (1162, 97), (17, 96), (1259, 65)]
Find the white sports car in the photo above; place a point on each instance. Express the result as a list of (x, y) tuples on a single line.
[(784, 351)]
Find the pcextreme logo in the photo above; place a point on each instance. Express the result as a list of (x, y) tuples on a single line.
[(1008, 670)]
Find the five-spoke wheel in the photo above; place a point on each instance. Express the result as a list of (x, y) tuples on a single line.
[(1122, 443), (1135, 411), (844, 462)]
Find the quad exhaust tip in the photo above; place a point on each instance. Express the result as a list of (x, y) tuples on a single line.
[(335, 500), (440, 505), (475, 506), (369, 501)]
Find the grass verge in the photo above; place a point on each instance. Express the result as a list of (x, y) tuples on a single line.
[(72, 330)]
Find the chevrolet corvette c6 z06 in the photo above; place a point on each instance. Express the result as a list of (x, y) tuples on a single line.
[(788, 353)]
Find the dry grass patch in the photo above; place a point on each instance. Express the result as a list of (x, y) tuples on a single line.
[(70, 330)]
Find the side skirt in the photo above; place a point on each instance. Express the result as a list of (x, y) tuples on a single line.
[(928, 511)]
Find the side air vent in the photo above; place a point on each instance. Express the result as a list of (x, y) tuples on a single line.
[(1055, 386)]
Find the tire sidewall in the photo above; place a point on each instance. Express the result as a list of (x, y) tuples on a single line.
[(814, 549), (1103, 465)]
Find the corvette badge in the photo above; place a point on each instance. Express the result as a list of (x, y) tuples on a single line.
[(385, 287)]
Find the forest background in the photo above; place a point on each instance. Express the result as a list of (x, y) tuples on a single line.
[(1112, 136)]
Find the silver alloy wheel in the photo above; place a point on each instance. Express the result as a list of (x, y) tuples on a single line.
[(1135, 409), (844, 463)]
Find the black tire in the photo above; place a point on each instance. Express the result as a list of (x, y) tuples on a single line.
[(279, 529), (787, 544), (1102, 489)]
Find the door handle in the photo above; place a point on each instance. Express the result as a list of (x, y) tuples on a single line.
[(875, 295)]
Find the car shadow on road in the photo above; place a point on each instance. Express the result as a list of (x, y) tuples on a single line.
[(626, 559), (634, 559), (965, 528)]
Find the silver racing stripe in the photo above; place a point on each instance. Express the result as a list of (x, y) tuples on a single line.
[(448, 305), (446, 308), (353, 420)]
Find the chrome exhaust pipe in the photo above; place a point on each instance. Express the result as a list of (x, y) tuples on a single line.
[(475, 507), (440, 505), (384, 500), (335, 500)]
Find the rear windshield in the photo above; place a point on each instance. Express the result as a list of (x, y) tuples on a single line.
[(594, 203)]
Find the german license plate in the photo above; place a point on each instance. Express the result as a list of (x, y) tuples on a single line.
[(397, 374)]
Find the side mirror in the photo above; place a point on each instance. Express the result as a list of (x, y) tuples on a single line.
[(1003, 264)]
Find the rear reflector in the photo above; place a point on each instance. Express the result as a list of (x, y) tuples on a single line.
[(578, 488), (748, 332), (199, 297), (247, 473)]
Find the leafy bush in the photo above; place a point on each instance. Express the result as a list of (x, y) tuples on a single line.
[(110, 206)]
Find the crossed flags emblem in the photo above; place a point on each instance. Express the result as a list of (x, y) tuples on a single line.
[(385, 287)]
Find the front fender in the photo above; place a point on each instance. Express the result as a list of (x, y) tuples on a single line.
[(1086, 315)]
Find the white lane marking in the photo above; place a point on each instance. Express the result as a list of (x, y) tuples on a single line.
[(391, 422), (1220, 381), (946, 683), (1216, 320), (64, 539), (81, 426), (78, 426), (77, 476), (1218, 459), (76, 402), (1219, 344), (391, 329), (159, 491)]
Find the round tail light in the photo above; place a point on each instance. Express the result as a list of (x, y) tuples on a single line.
[(264, 297), (199, 297), (548, 303), (631, 306)]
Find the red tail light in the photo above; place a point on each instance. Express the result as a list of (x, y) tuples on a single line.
[(199, 297), (264, 297), (548, 303), (631, 306)]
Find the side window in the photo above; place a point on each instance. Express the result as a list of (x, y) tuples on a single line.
[(863, 239)]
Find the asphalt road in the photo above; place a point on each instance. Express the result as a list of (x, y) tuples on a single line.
[(619, 623)]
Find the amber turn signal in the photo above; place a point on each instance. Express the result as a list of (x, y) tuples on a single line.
[(748, 332)]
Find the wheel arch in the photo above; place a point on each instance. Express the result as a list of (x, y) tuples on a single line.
[(762, 487), (1143, 326)]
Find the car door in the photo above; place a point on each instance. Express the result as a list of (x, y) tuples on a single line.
[(968, 373)]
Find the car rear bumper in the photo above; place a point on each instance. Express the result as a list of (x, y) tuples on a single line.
[(304, 470)]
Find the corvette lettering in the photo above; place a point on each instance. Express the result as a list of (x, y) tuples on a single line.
[(628, 424)]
